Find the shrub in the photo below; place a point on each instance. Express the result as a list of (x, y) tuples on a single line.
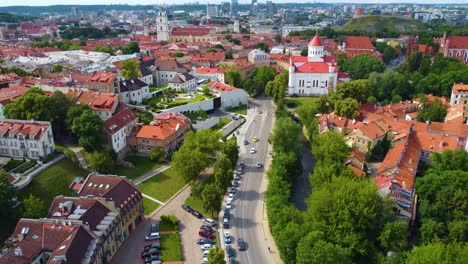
[(171, 219)]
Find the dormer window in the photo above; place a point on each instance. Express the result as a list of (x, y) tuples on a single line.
[(31, 136), (12, 135), (20, 137)]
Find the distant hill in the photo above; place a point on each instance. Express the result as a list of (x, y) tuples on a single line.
[(377, 23)]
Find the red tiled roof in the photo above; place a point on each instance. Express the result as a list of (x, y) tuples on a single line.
[(193, 31), (371, 130), (102, 77), (119, 120), (95, 101), (25, 128), (458, 42), (164, 126), (208, 70), (111, 187), (12, 92), (221, 87), (315, 42), (460, 88), (358, 42)]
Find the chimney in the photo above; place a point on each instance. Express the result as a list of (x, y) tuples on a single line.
[(441, 143), (18, 252)]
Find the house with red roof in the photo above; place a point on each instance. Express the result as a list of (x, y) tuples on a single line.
[(230, 95), (367, 136), (214, 74), (192, 34), (6, 79), (460, 97), (8, 95), (51, 241), (125, 196), (356, 45), (97, 215), (118, 127), (103, 81), (454, 47), (311, 75), (26, 139), (166, 132), (103, 104)]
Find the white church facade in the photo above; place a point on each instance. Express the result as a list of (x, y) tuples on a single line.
[(311, 75), (162, 26)]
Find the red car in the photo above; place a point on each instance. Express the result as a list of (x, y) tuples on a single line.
[(205, 234)]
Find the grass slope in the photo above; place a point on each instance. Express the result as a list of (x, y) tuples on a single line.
[(163, 185), (377, 23)]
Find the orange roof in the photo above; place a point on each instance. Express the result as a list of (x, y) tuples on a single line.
[(371, 130), (208, 70), (102, 77), (458, 42), (193, 31), (460, 88), (164, 126), (358, 42), (96, 101), (221, 87)]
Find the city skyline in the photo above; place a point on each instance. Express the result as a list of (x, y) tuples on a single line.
[(149, 2)]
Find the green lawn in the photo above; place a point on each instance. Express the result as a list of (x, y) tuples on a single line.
[(222, 122), (142, 166), (241, 110), (12, 164), (164, 185), (294, 102), (54, 181), (171, 247), (165, 226), (149, 206)]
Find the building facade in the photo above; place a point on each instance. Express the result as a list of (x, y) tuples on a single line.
[(454, 47), (310, 75), (26, 139), (259, 57), (162, 26), (134, 91), (183, 81), (118, 127)]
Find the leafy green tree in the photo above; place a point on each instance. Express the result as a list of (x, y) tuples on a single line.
[(88, 128), (105, 49), (437, 252), (342, 59), (8, 194), (73, 112), (458, 231), (259, 79), (348, 212), (131, 48), (450, 160), (216, 256), (130, 69), (331, 146), (360, 66), (324, 104), (233, 77), (263, 46), (231, 150), (277, 88), (211, 198), (177, 54), (33, 207), (223, 172), (59, 105), (228, 55), (101, 162), (278, 38), (347, 107), (394, 236), (325, 252), (285, 136), (206, 90), (157, 154), (325, 171), (289, 237), (358, 90), (434, 111), (34, 104), (190, 163), (57, 68)]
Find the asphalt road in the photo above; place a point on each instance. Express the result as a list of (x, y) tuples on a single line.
[(248, 206)]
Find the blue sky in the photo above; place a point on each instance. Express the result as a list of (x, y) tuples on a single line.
[(146, 2)]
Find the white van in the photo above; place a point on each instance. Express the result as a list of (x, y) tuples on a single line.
[(209, 221)]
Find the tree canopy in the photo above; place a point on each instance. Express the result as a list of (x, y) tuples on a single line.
[(88, 128), (360, 66), (130, 69), (7, 197)]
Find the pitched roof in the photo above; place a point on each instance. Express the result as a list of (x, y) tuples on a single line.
[(358, 42), (203, 70), (12, 92), (371, 130), (112, 187), (190, 31), (170, 65), (460, 88), (15, 128), (102, 77), (132, 84), (96, 101), (61, 239), (315, 42), (119, 121), (181, 78), (458, 42), (221, 87)]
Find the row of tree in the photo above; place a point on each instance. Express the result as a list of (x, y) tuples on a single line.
[(196, 154), (255, 84), (91, 33)]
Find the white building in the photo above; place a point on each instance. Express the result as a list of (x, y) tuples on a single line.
[(311, 76), (26, 139), (162, 26), (211, 10), (214, 74), (166, 70), (134, 91), (459, 91), (259, 57), (183, 81), (119, 127)]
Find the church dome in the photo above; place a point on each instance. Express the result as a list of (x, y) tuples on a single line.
[(315, 42)]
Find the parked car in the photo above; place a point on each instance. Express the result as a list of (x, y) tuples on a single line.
[(231, 195), (203, 240), (233, 190), (242, 164), (237, 177), (226, 226), (151, 258), (241, 245), (205, 234), (148, 252), (227, 238), (153, 262), (206, 246), (235, 183), (187, 208), (208, 229), (209, 221), (259, 165), (252, 150), (205, 253), (197, 214), (230, 251), (235, 117), (154, 245), (154, 232), (246, 142)]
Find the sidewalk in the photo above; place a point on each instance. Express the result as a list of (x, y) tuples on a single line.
[(150, 174)]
